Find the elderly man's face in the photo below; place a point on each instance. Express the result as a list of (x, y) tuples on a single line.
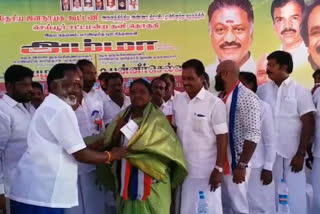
[(231, 34), (286, 23), (88, 4), (314, 35)]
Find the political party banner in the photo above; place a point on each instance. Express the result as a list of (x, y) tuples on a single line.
[(145, 38)]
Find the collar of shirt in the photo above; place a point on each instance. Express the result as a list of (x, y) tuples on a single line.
[(126, 101), (11, 102), (286, 82), (23, 106), (300, 49), (201, 95), (247, 66)]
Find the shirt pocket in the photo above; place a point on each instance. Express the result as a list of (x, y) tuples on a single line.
[(199, 124), (289, 107)]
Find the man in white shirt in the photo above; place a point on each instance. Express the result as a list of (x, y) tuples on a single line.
[(316, 155), (89, 74), (89, 112), (294, 122), (158, 86), (15, 120), (231, 30), (103, 79), (200, 119), (244, 120), (287, 16), (261, 190), (111, 5), (88, 5), (46, 176), (116, 100)]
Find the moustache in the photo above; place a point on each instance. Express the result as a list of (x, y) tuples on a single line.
[(227, 44), (288, 30), (318, 49)]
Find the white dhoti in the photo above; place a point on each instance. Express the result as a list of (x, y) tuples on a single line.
[(296, 182), (235, 196), (92, 200), (261, 197), (316, 185), (190, 196)]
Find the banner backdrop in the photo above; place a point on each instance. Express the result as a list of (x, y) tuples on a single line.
[(146, 38)]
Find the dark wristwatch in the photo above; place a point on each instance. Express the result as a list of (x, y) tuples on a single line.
[(242, 165)]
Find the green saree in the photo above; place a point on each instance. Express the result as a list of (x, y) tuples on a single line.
[(155, 150)]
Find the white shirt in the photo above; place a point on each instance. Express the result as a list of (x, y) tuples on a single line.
[(248, 66), (87, 8), (77, 9), (90, 120), (47, 172), (316, 100), (265, 154), (299, 55), (289, 102), (131, 7), (114, 8), (166, 108), (14, 125), (113, 109), (198, 121), (169, 103), (98, 94)]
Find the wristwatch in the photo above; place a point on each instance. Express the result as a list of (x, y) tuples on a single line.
[(220, 169), (242, 165)]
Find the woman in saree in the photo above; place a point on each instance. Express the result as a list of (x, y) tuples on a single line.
[(154, 166)]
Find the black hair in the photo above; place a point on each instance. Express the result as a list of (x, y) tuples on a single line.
[(169, 76), (280, 3), (282, 58), (206, 77), (243, 4), (104, 76), (142, 82), (250, 78), (315, 73), (58, 71), (17, 73), (114, 75), (83, 63), (196, 64), (37, 85), (305, 20), (156, 79)]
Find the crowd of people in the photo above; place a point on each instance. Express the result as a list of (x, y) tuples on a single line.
[(82, 150), (234, 137)]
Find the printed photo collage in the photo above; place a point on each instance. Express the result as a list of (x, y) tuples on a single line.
[(98, 5)]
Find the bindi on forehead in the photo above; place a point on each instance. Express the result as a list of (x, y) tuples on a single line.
[(230, 16)]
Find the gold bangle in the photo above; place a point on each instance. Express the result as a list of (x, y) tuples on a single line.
[(109, 157)]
